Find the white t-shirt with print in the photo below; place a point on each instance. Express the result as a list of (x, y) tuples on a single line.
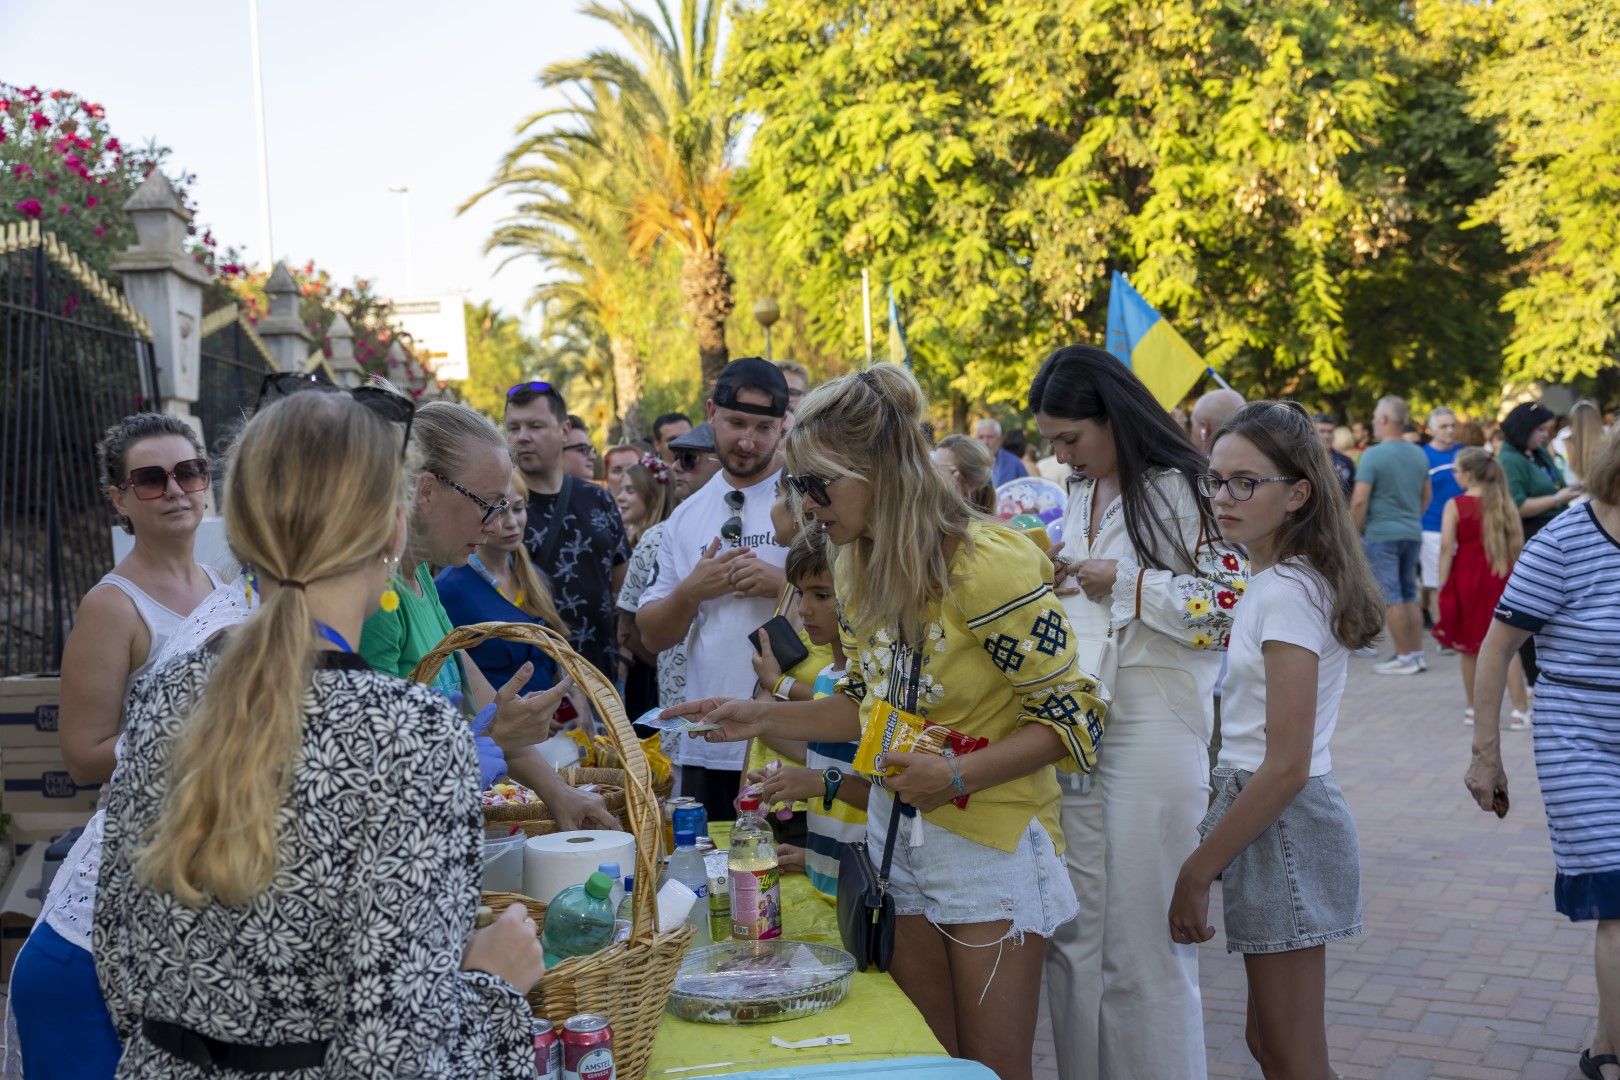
[(718, 652), (643, 570), (1289, 603)]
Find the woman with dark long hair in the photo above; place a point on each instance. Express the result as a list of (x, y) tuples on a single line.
[(1151, 611)]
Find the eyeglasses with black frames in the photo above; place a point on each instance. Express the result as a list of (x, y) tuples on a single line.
[(1240, 487), (813, 488)]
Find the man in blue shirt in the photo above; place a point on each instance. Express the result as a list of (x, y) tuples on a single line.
[(1007, 466), (1441, 450)]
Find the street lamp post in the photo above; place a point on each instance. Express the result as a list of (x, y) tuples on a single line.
[(766, 313), (410, 263)]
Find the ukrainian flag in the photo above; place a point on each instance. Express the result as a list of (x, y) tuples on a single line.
[(1149, 345)]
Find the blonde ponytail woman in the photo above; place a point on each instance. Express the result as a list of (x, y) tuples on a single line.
[(292, 857), (956, 612), (969, 466)]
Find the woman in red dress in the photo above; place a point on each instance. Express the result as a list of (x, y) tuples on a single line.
[(1480, 537)]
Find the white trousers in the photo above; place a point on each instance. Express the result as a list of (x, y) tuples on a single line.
[(1124, 998)]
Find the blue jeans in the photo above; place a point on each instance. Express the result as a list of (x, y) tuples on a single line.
[(1395, 565), (63, 1027)]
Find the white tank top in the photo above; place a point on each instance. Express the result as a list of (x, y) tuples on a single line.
[(70, 907)]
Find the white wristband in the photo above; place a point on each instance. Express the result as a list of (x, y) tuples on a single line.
[(784, 689)]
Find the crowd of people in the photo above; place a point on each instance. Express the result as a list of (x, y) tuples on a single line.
[(284, 874)]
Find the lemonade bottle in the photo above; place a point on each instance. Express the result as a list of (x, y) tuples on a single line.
[(756, 895)]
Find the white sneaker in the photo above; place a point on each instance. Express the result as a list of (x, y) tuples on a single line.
[(1399, 665), (1518, 721), (1468, 717), (1421, 660)]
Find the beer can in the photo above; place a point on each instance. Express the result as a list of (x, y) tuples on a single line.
[(691, 816), (669, 818), (587, 1042), (548, 1053)]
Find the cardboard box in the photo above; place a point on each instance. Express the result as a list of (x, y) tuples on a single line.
[(37, 782), (28, 711), (26, 830)]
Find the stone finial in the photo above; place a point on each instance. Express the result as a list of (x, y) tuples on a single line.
[(159, 216), (397, 359), (283, 329), (345, 368), (282, 292)]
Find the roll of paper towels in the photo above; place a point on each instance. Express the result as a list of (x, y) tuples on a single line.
[(552, 863)]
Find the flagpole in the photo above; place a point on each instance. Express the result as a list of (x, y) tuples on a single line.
[(866, 310), (1224, 384)]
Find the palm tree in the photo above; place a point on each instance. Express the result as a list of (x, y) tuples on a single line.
[(573, 221), (658, 137)]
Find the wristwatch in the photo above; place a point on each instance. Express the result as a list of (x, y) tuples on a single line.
[(832, 776)]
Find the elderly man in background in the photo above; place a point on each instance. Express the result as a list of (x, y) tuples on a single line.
[(1008, 466), (1210, 413), (1392, 491)]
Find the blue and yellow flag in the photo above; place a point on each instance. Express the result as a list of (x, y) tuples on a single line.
[(1149, 345), (899, 351)]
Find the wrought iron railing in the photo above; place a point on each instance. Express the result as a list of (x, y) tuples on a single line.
[(74, 358)]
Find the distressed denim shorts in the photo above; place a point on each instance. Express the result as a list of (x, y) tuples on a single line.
[(1299, 884), (954, 881)]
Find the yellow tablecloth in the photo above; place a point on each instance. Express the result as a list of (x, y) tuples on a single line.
[(880, 1020)]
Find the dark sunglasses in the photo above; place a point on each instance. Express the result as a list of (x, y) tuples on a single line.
[(687, 460), (489, 509), (151, 481), (813, 488), (583, 448), (731, 532), (530, 387), (395, 408)]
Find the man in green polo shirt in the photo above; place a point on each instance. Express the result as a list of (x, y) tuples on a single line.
[(1391, 493)]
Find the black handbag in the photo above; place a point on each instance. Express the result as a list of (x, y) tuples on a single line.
[(865, 907)]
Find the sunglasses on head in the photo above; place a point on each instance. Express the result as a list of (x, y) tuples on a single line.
[(530, 388), (151, 481), (731, 532), (395, 408), (813, 488)]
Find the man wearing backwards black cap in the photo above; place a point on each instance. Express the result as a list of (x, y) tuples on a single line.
[(720, 568)]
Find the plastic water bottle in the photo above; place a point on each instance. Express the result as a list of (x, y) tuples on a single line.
[(686, 867), (625, 907), (579, 921), (611, 869), (756, 895)]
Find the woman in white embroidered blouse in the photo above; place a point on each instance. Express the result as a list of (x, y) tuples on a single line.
[(1149, 591)]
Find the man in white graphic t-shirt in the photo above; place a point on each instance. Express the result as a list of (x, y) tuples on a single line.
[(720, 568)]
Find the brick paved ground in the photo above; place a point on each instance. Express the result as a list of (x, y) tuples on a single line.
[(1465, 970)]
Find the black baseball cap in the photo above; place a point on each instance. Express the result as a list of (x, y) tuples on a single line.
[(751, 373), (700, 439)]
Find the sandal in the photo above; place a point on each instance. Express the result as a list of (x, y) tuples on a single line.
[(1519, 720), (1593, 1066), (1468, 717)]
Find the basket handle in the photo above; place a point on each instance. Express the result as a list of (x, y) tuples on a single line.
[(641, 805)]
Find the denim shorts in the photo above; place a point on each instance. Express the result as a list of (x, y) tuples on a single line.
[(1395, 564), (1299, 884), (954, 881)]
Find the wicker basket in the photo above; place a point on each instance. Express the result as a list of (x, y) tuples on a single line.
[(629, 981)]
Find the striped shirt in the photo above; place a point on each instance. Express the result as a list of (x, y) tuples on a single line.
[(1565, 589), (829, 830)]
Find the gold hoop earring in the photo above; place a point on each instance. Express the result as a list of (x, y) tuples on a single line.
[(389, 600)]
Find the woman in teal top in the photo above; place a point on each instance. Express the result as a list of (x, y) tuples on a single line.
[(1535, 480), (457, 496)]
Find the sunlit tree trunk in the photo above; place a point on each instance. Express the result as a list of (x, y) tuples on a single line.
[(626, 388), (707, 285)]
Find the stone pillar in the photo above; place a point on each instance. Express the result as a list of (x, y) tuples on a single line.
[(165, 285), (283, 329), (345, 368)]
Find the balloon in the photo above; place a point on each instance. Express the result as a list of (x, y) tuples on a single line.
[(1029, 495), (1050, 514), (1025, 521), (1054, 531)]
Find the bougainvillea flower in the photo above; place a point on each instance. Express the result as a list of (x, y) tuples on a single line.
[(112, 144), (31, 207), (94, 111), (100, 231), (22, 168), (90, 200), (39, 120), (64, 208), (32, 95)]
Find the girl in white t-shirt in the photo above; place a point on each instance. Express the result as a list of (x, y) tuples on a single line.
[(1279, 834)]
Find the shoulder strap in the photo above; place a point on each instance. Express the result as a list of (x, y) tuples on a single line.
[(911, 659), (546, 554)]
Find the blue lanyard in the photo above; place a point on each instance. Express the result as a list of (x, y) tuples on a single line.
[(333, 636)]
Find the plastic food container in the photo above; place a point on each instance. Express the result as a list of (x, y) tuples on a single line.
[(503, 859), (760, 982)]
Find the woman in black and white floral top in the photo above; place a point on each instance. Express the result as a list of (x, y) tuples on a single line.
[(293, 846)]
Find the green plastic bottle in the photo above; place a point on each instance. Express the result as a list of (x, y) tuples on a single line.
[(579, 920)]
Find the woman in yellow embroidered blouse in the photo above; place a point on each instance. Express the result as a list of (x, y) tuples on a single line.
[(927, 584)]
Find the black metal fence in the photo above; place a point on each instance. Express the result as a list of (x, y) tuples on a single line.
[(231, 369), (71, 364)]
